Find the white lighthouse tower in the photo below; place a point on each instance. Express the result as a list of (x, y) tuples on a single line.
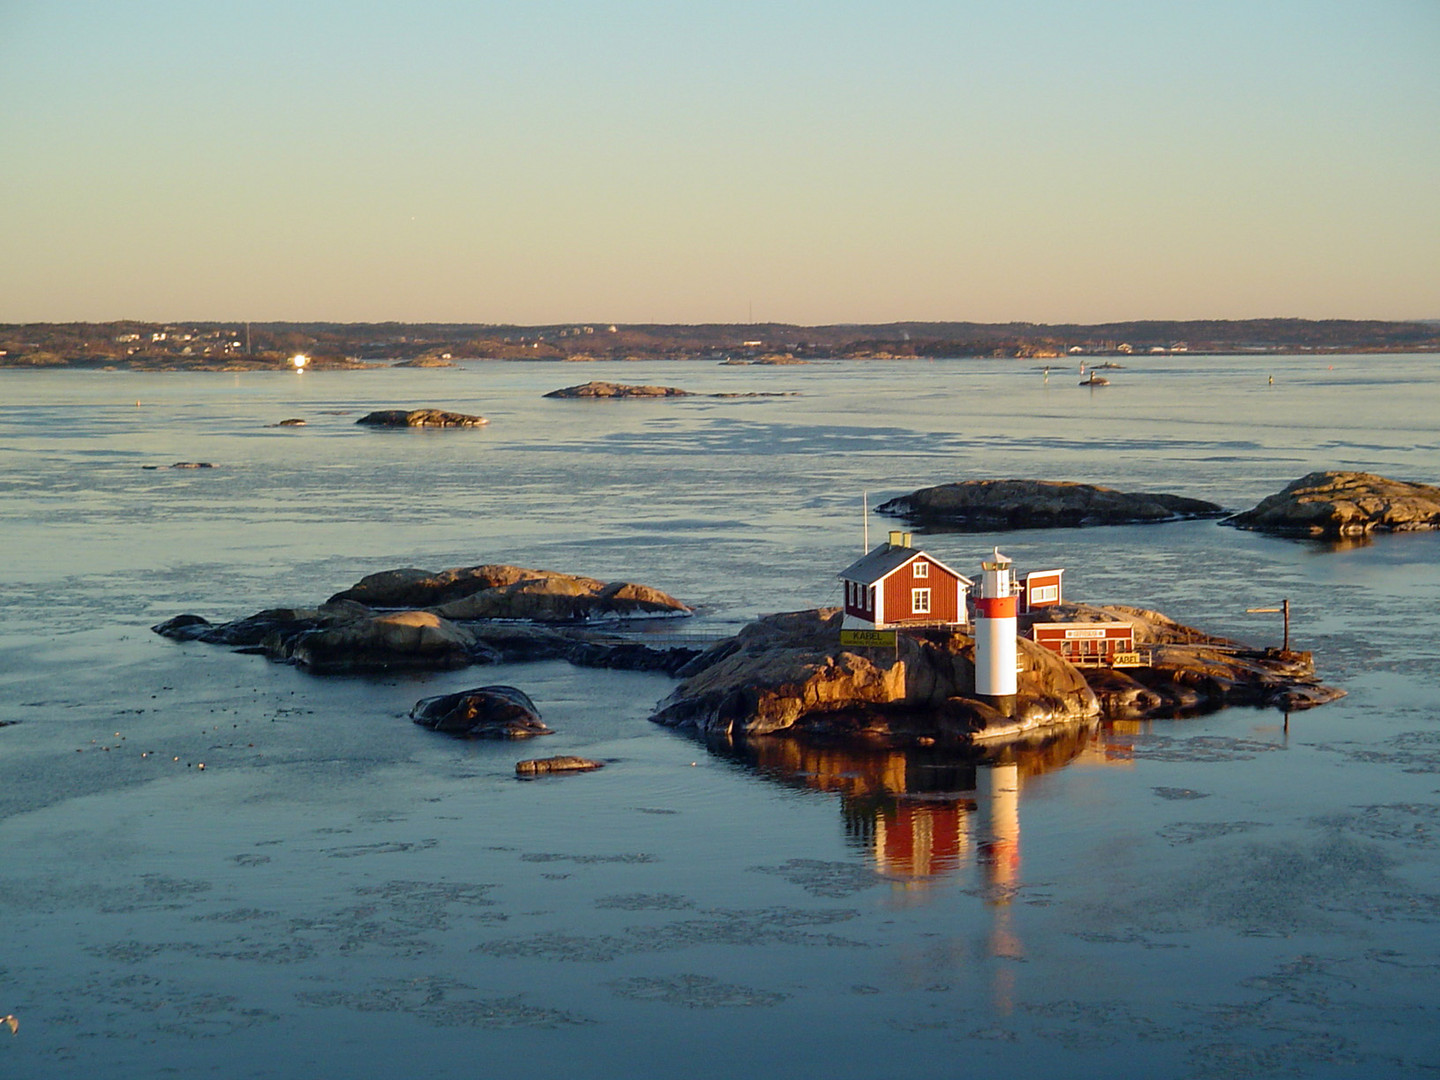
[(995, 629)]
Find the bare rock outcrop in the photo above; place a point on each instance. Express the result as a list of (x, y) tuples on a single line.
[(788, 674), (486, 712), (1344, 504), (273, 624), (1190, 671), (616, 390), (498, 591), (340, 638), (420, 418), (988, 505), (563, 763), (396, 640), (418, 619)]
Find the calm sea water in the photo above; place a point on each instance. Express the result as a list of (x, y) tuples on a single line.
[(338, 893)]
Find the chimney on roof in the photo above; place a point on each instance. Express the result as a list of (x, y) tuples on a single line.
[(899, 539)]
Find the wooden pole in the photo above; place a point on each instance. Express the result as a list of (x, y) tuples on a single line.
[(1283, 608)]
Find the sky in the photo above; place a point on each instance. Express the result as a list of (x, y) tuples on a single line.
[(543, 161)]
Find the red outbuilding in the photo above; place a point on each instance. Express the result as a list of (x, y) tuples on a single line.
[(1089, 644), (1041, 589)]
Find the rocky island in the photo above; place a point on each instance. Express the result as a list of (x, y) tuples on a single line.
[(616, 390), (988, 505), (1337, 504), (412, 619), (787, 674)]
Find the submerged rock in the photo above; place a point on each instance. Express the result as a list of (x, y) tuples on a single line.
[(616, 390), (1344, 504), (420, 418), (562, 763), (487, 712), (987, 505)]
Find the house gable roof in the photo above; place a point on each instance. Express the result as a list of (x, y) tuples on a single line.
[(885, 560)]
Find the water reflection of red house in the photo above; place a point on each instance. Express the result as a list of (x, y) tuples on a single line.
[(914, 839)]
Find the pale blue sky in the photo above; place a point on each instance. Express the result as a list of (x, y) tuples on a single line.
[(624, 161)]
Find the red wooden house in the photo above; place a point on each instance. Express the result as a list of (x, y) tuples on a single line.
[(899, 585)]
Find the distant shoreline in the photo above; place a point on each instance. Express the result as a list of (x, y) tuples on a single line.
[(232, 347), (283, 367)]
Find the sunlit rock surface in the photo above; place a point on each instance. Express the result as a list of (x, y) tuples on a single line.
[(413, 618), (788, 674), (499, 591), (985, 505), (395, 639), (1344, 504), (564, 763)]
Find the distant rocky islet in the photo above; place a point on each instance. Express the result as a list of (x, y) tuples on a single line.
[(397, 418), (1319, 504), (990, 505), (605, 391), (1335, 504)]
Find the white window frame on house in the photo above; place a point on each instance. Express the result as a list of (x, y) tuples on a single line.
[(1045, 594), (920, 569), (920, 601)]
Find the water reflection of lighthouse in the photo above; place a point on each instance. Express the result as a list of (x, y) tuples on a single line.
[(1000, 858)]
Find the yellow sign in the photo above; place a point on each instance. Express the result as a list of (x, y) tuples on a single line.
[(1127, 659), (868, 638)]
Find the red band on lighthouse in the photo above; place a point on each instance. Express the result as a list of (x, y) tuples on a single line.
[(995, 607)]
